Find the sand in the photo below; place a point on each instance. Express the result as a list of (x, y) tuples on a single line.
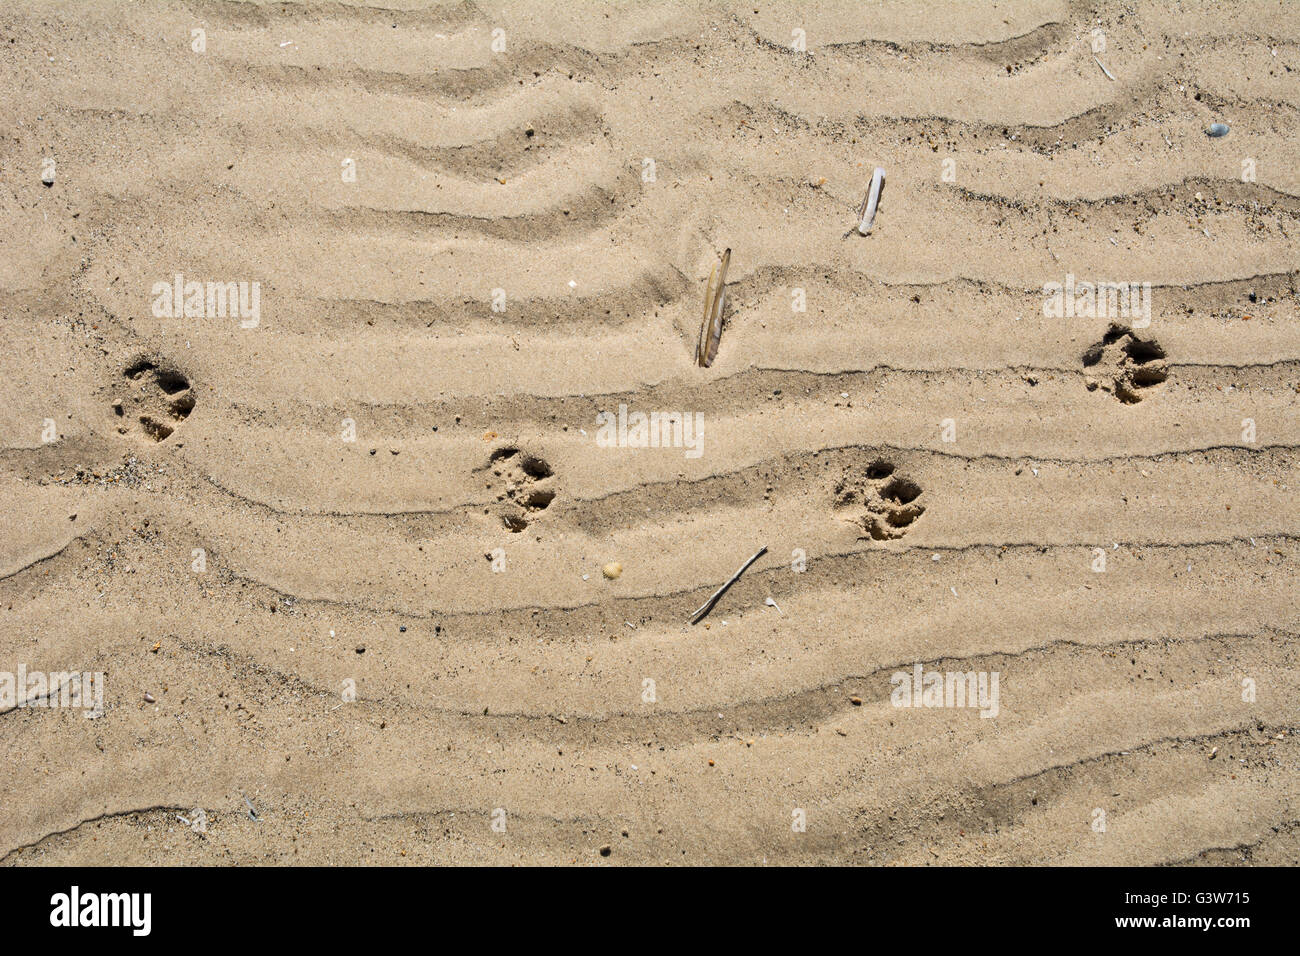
[(350, 542)]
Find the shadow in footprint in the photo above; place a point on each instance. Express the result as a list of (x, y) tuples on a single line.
[(521, 483), (155, 395), (884, 503), (1125, 364)]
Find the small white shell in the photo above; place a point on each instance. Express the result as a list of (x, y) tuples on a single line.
[(867, 215)]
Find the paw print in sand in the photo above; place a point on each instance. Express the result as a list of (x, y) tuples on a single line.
[(156, 398), (1125, 364), (889, 502), (522, 486)]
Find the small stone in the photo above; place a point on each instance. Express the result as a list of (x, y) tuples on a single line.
[(613, 570), (855, 701), (148, 697), (361, 648)]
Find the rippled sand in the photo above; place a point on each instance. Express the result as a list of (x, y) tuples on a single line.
[(386, 480)]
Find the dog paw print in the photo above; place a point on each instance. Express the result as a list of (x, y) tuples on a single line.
[(155, 398), (1125, 364), (885, 503), (523, 487)]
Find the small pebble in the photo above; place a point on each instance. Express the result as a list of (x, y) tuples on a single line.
[(1217, 129), (148, 697)]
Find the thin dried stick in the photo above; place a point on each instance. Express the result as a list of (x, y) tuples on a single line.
[(707, 606), (715, 297)]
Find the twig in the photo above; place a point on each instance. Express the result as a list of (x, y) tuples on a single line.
[(707, 606)]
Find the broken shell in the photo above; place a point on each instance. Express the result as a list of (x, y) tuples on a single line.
[(612, 570), (148, 697), (715, 303), (867, 215), (1217, 129)]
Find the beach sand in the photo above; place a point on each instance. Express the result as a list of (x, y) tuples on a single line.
[(350, 539)]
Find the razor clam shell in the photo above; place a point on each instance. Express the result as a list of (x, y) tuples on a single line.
[(867, 216), (715, 301), (706, 323)]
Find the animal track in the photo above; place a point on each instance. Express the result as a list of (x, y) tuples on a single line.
[(1125, 364), (524, 491), (891, 501), (158, 397)]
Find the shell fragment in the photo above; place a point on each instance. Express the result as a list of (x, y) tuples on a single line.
[(715, 300), (867, 214)]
